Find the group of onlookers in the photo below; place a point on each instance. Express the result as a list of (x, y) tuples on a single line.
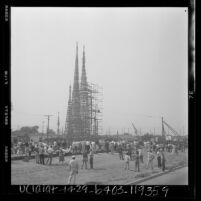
[(137, 160), (22, 148), (151, 155), (128, 151), (77, 147), (133, 149), (88, 157)]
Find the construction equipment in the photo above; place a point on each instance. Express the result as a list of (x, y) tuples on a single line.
[(135, 129), (171, 129)]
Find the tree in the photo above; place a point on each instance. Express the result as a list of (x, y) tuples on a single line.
[(29, 130), (35, 129)]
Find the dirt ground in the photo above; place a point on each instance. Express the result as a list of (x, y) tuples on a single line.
[(108, 169)]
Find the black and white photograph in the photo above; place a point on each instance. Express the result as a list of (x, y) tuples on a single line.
[(99, 95)]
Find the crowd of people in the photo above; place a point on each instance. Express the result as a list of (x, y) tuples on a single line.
[(127, 151), (130, 151)]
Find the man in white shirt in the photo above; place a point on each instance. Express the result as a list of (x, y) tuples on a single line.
[(127, 161), (49, 152), (140, 155), (150, 158), (73, 164)]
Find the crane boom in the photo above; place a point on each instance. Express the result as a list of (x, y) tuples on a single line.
[(171, 129), (135, 129)]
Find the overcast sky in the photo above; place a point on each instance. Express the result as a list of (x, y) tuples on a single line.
[(138, 56)]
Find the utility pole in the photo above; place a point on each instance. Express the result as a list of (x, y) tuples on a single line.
[(58, 124), (163, 131), (48, 120), (42, 127)]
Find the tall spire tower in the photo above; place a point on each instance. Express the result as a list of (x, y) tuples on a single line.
[(68, 125), (84, 105), (76, 121), (83, 76)]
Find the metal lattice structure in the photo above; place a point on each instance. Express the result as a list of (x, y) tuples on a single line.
[(84, 112), (95, 109)]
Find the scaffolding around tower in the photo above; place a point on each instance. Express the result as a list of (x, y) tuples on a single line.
[(92, 120), (85, 106), (95, 95)]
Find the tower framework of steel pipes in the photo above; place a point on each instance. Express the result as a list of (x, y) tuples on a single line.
[(84, 111), (96, 109)]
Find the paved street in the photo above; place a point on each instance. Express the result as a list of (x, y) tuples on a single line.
[(108, 169), (177, 177)]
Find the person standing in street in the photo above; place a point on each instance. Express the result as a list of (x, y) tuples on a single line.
[(141, 155), (36, 150), (91, 159), (150, 158), (127, 161), (61, 155), (41, 154), (73, 165), (133, 153), (49, 152), (137, 162), (162, 160), (159, 158), (84, 159), (120, 150), (129, 151)]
